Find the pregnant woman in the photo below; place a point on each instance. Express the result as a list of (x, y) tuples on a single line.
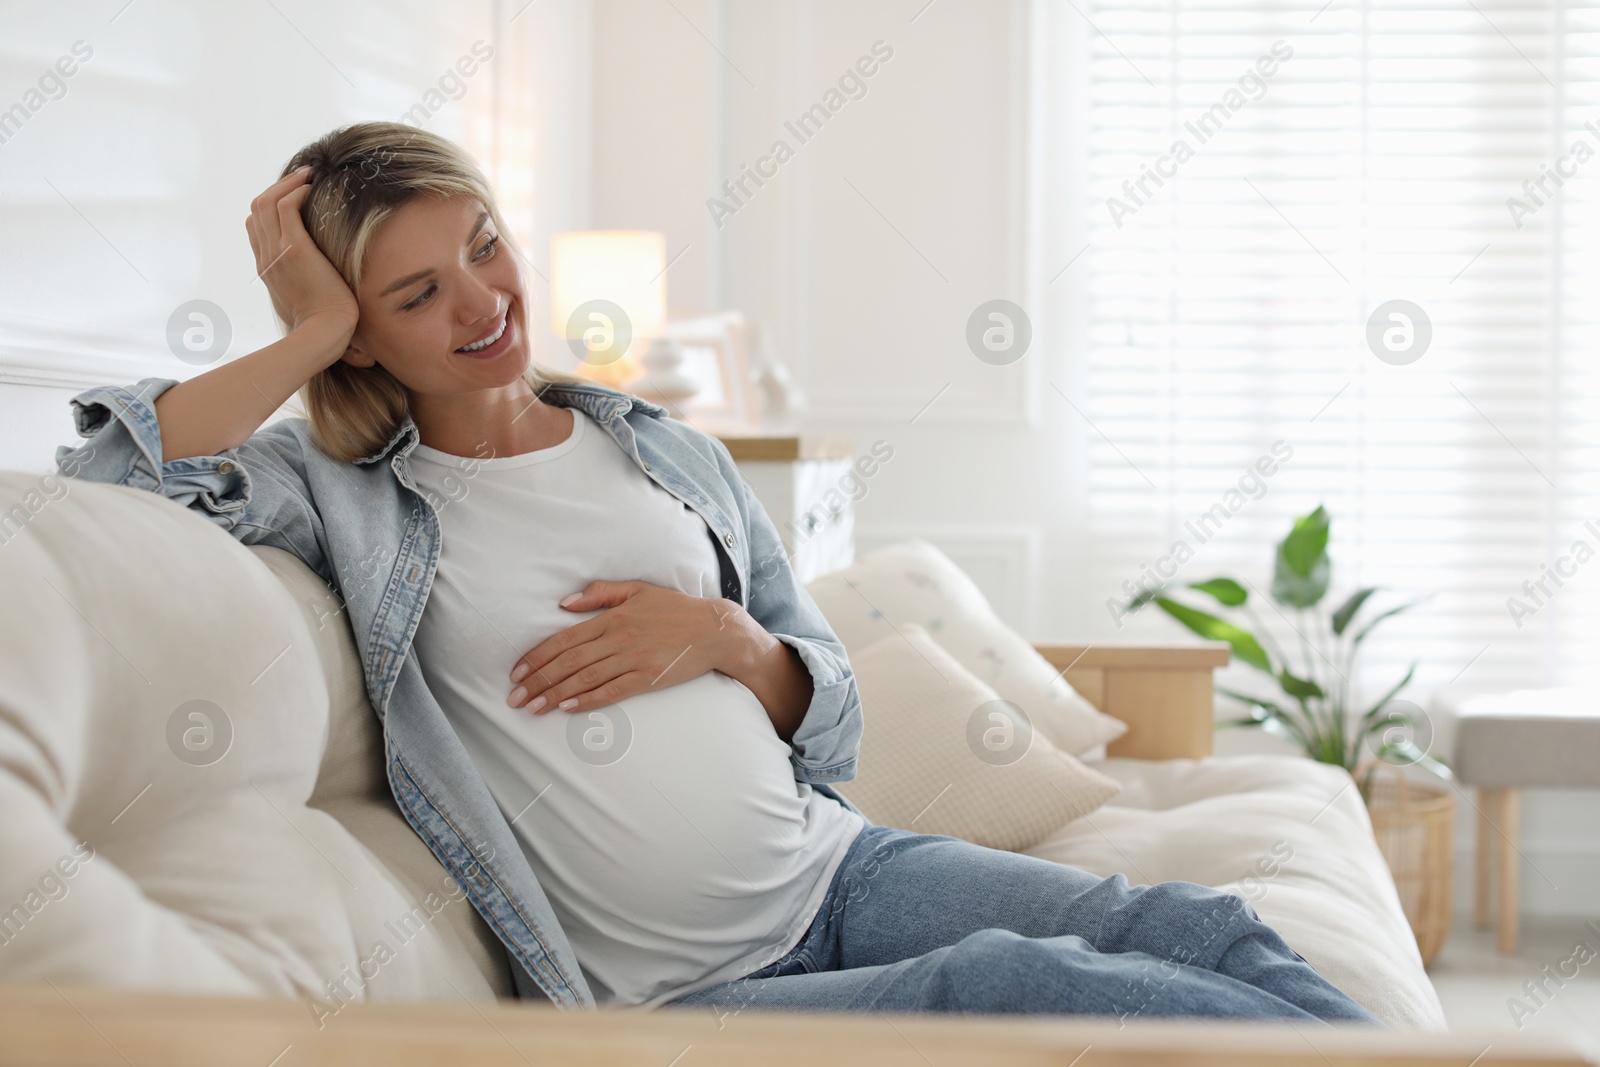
[(609, 707)]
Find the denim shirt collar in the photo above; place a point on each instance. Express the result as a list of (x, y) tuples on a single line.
[(599, 402)]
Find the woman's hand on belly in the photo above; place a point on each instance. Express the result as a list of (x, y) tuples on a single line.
[(647, 637)]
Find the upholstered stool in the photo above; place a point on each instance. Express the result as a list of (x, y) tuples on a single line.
[(1502, 743)]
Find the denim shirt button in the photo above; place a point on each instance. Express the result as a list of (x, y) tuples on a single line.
[(729, 539), (646, 465), (225, 467)]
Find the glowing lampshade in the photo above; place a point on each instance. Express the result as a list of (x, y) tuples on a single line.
[(608, 287)]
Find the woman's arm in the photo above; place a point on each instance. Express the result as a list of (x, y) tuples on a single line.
[(774, 672), (220, 409), (826, 741)]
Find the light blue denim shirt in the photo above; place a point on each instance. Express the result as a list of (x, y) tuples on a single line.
[(368, 531)]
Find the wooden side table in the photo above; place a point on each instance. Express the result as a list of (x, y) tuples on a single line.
[(1502, 743), (808, 485)]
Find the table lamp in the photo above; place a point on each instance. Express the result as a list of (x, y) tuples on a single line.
[(608, 288)]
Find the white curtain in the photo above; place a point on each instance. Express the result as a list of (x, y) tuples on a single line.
[(1229, 192)]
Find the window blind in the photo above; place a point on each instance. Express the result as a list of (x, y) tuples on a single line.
[(1260, 179)]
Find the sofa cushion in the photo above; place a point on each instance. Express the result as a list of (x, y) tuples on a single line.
[(1289, 835), (913, 582), (164, 715), (352, 785), (941, 753)]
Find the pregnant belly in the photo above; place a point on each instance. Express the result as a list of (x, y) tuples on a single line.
[(678, 802)]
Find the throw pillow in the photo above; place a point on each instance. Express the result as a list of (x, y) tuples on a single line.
[(942, 753), (914, 582)]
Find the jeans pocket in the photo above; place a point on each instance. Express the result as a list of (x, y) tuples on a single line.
[(795, 961)]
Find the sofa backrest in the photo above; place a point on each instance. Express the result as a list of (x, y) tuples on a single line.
[(352, 784), (191, 773)]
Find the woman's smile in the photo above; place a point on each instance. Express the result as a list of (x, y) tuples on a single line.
[(499, 338)]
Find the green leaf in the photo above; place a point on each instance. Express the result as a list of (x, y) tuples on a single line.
[(1144, 597), (1307, 542), (1348, 609), (1227, 592), (1275, 727), (1378, 726), (1410, 755), (1253, 701), (1299, 591), (1300, 570), (1361, 635), (1243, 642), (1274, 718), (1390, 695), (1299, 688)]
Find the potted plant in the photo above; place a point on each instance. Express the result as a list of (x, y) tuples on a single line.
[(1314, 702), (1314, 705)]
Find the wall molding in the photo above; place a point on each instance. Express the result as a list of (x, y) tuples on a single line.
[(71, 359), (1021, 405)]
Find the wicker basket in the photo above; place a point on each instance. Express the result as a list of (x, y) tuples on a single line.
[(1414, 823)]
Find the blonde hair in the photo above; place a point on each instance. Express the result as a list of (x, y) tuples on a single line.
[(360, 175)]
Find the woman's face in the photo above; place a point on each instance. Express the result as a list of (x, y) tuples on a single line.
[(438, 277)]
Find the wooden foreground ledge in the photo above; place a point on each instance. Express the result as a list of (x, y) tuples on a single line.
[(51, 1025)]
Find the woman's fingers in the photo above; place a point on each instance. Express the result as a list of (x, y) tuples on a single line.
[(290, 224), (304, 283), (265, 210), (612, 680), (581, 667), (578, 666), (290, 229)]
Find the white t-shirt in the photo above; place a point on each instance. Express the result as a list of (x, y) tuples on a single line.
[(668, 830)]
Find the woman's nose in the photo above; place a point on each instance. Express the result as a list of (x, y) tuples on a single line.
[(485, 306)]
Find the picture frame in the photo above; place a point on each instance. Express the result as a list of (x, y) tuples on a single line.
[(717, 357)]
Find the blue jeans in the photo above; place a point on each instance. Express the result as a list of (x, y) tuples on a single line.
[(928, 923)]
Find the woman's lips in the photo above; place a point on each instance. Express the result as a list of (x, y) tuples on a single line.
[(507, 326)]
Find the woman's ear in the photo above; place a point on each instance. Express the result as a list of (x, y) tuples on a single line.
[(354, 355)]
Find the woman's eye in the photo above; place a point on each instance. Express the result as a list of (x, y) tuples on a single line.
[(422, 298)]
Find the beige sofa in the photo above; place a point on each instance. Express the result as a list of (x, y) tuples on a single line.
[(201, 856)]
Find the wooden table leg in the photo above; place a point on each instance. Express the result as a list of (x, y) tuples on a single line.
[(1484, 858), (1510, 820)]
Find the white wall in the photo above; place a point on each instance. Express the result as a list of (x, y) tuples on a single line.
[(867, 251), (127, 196)]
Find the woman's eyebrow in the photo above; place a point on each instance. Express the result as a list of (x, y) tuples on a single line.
[(421, 274)]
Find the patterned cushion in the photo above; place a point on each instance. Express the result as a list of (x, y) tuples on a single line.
[(913, 582)]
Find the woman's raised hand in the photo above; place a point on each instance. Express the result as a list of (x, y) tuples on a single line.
[(303, 284)]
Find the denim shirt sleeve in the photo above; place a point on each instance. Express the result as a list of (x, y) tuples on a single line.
[(257, 491), (827, 742)]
